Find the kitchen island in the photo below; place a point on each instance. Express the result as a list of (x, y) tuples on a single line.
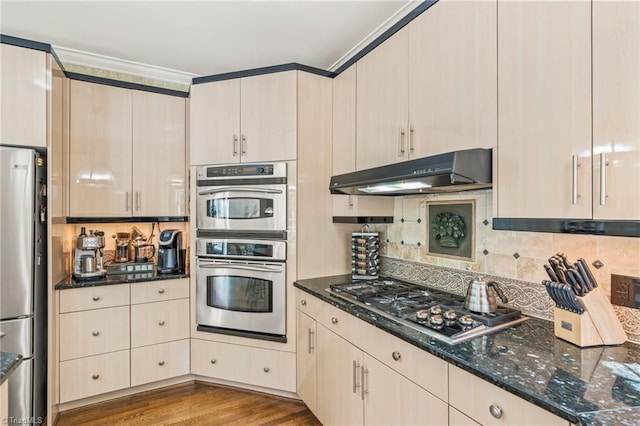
[(599, 385)]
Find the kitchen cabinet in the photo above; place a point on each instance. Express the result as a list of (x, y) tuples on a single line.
[(616, 110), (127, 152), (24, 81), (491, 405), (244, 120), (544, 110), (415, 94), (306, 377), (4, 401), (344, 150)]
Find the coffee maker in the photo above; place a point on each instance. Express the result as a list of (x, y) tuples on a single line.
[(88, 256), (170, 253)]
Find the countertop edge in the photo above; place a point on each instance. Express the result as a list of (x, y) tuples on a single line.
[(69, 283), (14, 363)]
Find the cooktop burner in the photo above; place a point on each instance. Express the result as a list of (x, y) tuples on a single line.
[(434, 312)]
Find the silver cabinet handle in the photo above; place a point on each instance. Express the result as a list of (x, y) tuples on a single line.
[(350, 200), (495, 411), (303, 302), (266, 369), (161, 290), (396, 356), (311, 333), (244, 189), (213, 361), (96, 298), (161, 323), (161, 363), (235, 145), (364, 372), (137, 200), (603, 178), (410, 139), (356, 367), (2, 334), (126, 201), (574, 179), (243, 144), (334, 320), (401, 134), (95, 333), (95, 376)]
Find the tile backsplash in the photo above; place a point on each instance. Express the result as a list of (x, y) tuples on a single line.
[(515, 257)]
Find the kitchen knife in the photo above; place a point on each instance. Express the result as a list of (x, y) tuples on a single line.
[(575, 274), (570, 296), (564, 301), (551, 272), (564, 259), (585, 277), (551, 292), (562, 275), (592, 280), (573, 282)]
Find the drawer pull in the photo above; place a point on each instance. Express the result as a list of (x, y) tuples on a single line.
[(303, 302), (96, 298), (161, 363), (161, 290), (161, 323), (396, 356), (95, 376), (95, 333), (213, 361), (334, 320), (266, 369), (495, 411)]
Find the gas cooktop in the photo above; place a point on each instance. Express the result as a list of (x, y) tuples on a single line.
[(438, 314)]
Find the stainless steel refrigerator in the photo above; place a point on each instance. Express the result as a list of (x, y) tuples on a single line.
[(23, 278)]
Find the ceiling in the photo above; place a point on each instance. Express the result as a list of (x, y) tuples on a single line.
[(205, 37)]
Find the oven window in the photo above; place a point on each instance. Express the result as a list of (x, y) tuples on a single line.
[(243, 294), (239, 208)]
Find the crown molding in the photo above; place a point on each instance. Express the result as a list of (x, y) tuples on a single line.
[(93, 60), (409, 6)]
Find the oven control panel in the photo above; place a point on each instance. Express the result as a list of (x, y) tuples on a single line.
[(240, 170)]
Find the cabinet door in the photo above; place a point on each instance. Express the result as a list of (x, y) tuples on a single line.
[(616, 109), (100, 150), (382, 99), (306, 359), (339, 401), (268, 117), (23, 96), (391, 399), (215, 122), (451, 107), (158, 155), (544, 109)]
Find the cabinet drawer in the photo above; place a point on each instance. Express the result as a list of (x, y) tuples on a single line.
[(273, 369), (94, 332), (343, 324), (474, 397), (456, 418), (159, 322), (308, 304), (158, 291), (104, 296), (415, 364), (84, 377), (159, 362), (220, 360)]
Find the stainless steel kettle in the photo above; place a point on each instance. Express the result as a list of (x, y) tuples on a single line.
[(481, 296)]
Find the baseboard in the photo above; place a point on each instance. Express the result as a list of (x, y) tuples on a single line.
[(276, 392)]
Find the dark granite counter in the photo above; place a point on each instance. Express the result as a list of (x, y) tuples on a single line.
[(8, 363), (71, 282), (590, 386)]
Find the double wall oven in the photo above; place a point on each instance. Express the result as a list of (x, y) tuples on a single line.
[(241, 222)]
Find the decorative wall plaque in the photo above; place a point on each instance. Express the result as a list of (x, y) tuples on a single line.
[(451, 229)]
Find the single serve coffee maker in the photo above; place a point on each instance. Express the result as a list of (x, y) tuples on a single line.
[(170, 253), (88, 255)]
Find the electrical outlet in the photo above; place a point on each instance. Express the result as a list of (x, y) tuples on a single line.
[(625, 290)]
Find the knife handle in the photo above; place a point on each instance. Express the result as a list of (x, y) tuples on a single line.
[(551, 272), (588, 273)]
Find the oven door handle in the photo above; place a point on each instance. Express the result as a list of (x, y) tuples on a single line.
[(239, 189), (243, 267)]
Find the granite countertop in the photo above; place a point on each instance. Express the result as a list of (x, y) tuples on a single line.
[(590, 386), (8, 363), (71, 282)]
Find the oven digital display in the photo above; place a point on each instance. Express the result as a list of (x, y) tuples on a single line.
[(242, 294), (251, 170), (240, 249)]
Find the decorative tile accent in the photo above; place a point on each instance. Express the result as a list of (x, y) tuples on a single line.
[(485, 222), (516, 255), (597, 264), (485, 252), (630, 320)]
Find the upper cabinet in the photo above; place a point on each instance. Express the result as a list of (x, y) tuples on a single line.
[(127, 152), (616, 110), (244, 120), (23, 96), (431, 87)]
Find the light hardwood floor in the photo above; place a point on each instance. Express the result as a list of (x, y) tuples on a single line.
[(193, 404)]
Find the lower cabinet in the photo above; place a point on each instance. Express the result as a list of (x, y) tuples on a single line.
[(159, 362), (456, 418), (243, 364), (84, 377), (306, 359)]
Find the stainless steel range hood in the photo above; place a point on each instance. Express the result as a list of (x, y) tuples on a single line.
[(451, 172)]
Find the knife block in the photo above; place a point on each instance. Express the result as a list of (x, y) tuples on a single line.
[(597, 326)]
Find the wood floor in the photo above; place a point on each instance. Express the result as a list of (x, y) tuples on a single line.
[(193, 404)]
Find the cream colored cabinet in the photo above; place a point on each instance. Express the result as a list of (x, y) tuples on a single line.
[(159, 362), (616, 110), (127, 152), (4, 401), (306, 377), (490, 405), (24, 82), (244, 120), (344, 150), (159, 322), (544, 109), (100, 150), (158, 162), (456, 418), (85, 377)]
